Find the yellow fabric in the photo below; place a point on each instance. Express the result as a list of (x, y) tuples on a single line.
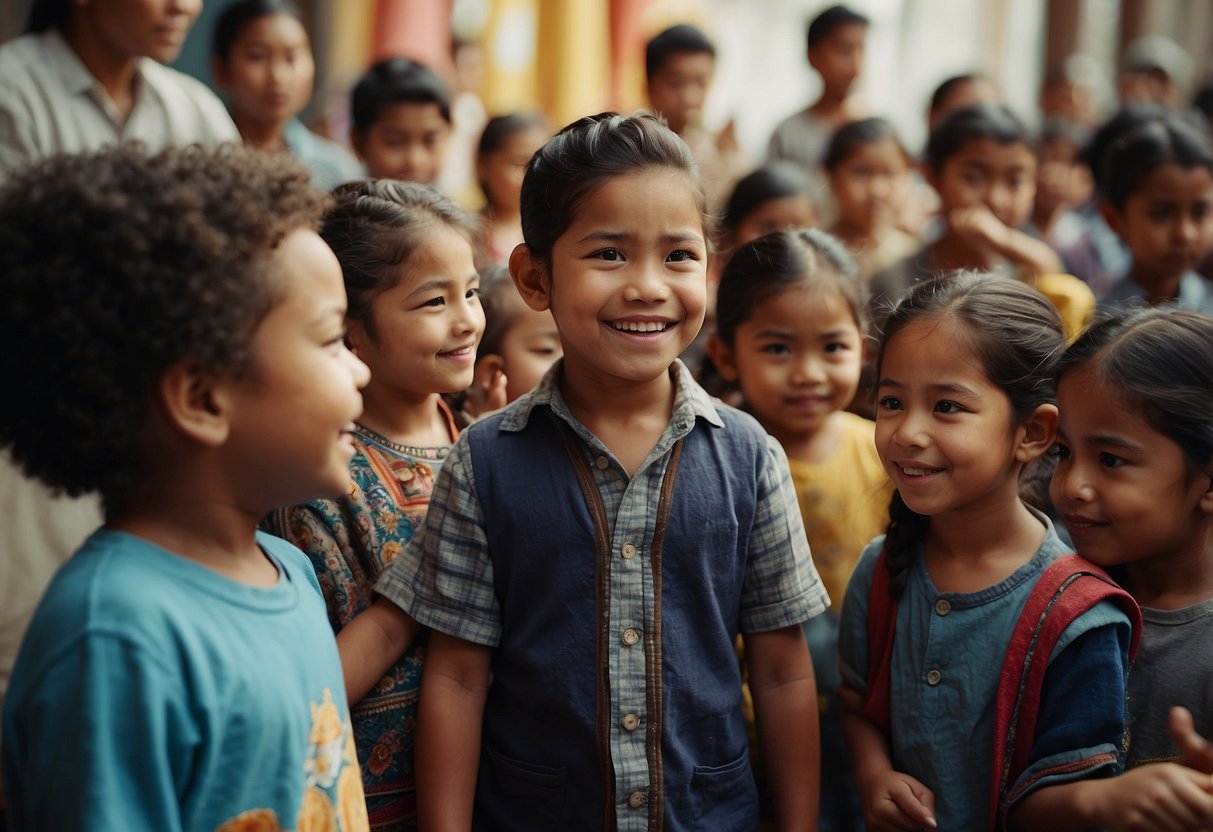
[(844, 501), (1072, 298)]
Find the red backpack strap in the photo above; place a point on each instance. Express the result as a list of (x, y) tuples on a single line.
[(882, 622), (1066, 589)]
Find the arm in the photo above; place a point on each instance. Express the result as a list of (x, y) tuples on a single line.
[(371, 643), (453, 691), (785, 704), (1161, 796), (981, 228), (891, 800)]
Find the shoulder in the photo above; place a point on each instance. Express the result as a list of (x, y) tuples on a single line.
[(178, 89), (19, 55)]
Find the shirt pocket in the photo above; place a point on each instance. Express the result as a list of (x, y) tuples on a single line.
[(521, 795), (725, 795)]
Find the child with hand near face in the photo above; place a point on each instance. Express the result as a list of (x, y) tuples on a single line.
[(415, 320), (162, 316), (596, 547)]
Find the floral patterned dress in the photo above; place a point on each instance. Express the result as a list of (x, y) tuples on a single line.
[(349, 541)]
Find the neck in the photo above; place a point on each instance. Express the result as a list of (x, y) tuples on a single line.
[(405, 418), (1175, 580), (260, 134), (214, 533), (594, 400), (505, 215), (986, 529), (1158, 287), (816, 446), (114, 71), (853, 233)]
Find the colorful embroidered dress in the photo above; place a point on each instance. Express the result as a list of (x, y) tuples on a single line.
[(349, 541)]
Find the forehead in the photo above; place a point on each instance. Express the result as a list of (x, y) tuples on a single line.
[(1089, 403), (1174, 182), (845, 35), (655, 201), (936, 349), (409, 117), (682, 64), (883, 151), (988, 153), (276, 28), (807, 308)]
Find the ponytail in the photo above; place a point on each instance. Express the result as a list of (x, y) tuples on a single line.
[(902, 537)]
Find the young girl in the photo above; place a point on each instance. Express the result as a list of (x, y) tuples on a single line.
[(1135, 448), (414, 319), (868, 170), (520, 344), (950, 735), (174, 324), (1158, 188), (775, 197), (597, 546), (981, 161), (506, 145), (791, 335), (262, 58)]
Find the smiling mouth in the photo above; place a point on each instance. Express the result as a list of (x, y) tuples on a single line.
[(640, 326), (912, 471)]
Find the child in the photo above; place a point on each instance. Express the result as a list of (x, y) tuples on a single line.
[(506, 145), (415, 320), (401, 121), (868, 169), (966, 398), (615, 696), (981, 162), (775, 197), (1135, 449), (162, 315), (520, 344), (678, 66), (835, 48), (791, 334), (262, 58), (1064, 185), (1159, 198)]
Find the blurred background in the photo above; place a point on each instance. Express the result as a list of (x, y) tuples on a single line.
[(568, 58)]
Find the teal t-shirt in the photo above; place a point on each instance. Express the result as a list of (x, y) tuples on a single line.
[(152, 693)]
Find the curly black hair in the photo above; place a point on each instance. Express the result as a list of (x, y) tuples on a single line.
[(114, 266)]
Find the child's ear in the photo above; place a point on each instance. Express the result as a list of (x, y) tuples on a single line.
[(1206, 499), (531, 277), (194, 404), (1036, 434), (1112, 217), (722, 357)]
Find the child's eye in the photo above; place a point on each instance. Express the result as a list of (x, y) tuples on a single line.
[(472, 293), (1059, 451), (1108, 460), (776, 349), (337, 340), (889, 403), (946, 406), (438, 301), (680, 256), (611, 255), (543, 351), (835, 346)]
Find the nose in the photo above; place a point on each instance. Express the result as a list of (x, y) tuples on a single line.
[(469, 318), (1071, 483), (1187, 230), (808, 371), (911, 430), (358, 370), (646, 283), (998, 200)]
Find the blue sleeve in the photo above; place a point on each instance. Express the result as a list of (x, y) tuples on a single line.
[(853, 620), (1081, 724), (102, 741)]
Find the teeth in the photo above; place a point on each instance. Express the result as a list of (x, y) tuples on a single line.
[(640, 326), (916, 472)]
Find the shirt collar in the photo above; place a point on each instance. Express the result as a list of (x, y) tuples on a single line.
[(690, 401), (74, 74)]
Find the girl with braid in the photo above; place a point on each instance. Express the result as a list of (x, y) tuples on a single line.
[(984, 666)]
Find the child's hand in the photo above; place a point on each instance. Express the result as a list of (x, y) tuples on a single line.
[(486, 394), (983, 231), (1156, 797), (895, 802), (1194, 750)]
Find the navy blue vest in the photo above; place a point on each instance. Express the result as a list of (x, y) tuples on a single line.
[(545, 763)]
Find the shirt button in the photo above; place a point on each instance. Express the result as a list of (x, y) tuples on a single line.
[(630, 722), (630, 636), (629, 551), (637, 799), (602, 463), (942, 607), (933, 677)]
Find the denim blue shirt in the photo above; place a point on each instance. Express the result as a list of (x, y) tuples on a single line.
[(1195, 295), (616, 691), (947, 656)]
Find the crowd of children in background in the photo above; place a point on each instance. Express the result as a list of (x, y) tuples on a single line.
[(566, 588)]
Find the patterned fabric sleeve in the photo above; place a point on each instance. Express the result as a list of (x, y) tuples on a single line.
[(320, 530)]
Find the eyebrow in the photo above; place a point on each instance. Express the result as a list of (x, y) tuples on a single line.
[(1112, 441), (953, 388), (627, 237), (442, 284), (322, 317)]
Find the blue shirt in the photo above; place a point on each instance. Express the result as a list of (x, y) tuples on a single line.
[(152, 693), (1195, 295), (947, 656), (629, 650), (330, 163)]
